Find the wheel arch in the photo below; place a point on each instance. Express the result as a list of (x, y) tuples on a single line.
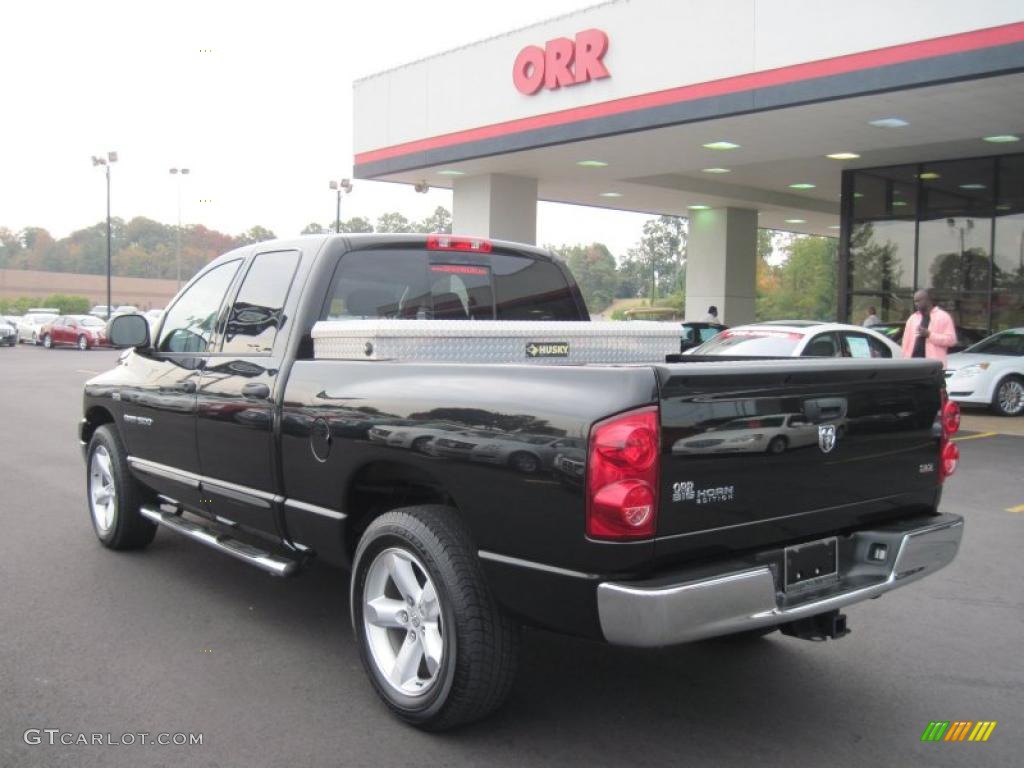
[(95, 417)]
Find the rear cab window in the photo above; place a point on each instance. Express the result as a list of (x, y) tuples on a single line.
[(410, 283)]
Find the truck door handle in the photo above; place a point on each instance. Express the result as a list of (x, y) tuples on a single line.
[(188, 387), (256, 390)]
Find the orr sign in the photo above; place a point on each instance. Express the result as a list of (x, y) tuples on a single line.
[(561, 62)]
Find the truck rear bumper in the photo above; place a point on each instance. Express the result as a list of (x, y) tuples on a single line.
[(686, 607)]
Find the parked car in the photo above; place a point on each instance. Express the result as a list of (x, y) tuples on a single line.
[(125, 309), (798, 338), (644, 548), (965, 337), (525, 453), (82, 331), (100, 310), (28, 328), (990, 373), (8, 332), (694, 333)]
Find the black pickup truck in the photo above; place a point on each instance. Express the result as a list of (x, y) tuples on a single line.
[(639, 504)]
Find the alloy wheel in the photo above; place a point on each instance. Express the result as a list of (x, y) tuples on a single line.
[(1011, 397), (102, 492), (402, 622)]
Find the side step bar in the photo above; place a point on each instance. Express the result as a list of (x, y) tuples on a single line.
[(266, 561)]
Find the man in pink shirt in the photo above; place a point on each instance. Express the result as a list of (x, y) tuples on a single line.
[(929, 331)]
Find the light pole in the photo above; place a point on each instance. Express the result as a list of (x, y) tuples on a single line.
[(106, 163), (339, 186), (179, 172)]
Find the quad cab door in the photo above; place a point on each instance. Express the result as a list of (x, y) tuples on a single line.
[(159, 396), (237, 395)]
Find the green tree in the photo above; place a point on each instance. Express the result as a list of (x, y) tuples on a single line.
[(256, 234), (393, 222), (659, 258), (806, 282), (356, 224), (314, 229), (440, 222), (594, 268)]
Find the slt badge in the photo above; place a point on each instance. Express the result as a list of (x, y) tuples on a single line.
[(826, 437)]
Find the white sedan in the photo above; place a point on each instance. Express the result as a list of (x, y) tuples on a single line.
[(799, 338), (990, 373)]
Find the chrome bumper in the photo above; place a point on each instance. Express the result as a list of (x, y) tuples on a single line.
[(670, 611)]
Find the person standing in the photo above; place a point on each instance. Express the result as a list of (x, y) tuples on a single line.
[(711, 316), (872, 318), (929, 331)]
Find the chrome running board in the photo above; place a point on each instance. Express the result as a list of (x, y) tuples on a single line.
[(222, 542)]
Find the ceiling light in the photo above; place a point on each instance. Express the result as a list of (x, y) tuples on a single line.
[(972, 186), (796, 221), (699, 207), (833, 226), (1004, 139), (929, 176), (858, 194), (898, 203), (801, 185), (888, 122), (721, 145), (451, 172), (715, 170), (592, 164), (611, 194), (843, 156), (1003, 207)]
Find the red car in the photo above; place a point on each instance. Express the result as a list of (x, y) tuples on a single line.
[(82, 331)]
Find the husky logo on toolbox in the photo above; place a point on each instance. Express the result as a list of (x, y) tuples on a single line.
[(827, 437), (547, 349)]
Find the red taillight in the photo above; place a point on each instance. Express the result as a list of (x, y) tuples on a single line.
[(949, 452), (450, 243), (622, 477), (949, 460), (950, 419)]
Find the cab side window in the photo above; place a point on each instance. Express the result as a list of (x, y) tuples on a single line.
[(258, 311), (822, 345), (189, 324)]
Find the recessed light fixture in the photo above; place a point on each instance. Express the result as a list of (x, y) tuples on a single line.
[(715, 170), (833, 226), (889, 122), (611, 194), (451, 172), (699, 207), (930, 176), (802, 185), (1006, 138), (721, 145), (972, 186), (843, 156), (858, 194), (796, 221), (899, 203), (1003, 207), (592, 163)]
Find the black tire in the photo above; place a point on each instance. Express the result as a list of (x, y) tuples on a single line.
[(419, 445), (777, 445), (524, 462), (83, 343), (47, 341), (480, 643), (1008, 399), (128, 529)]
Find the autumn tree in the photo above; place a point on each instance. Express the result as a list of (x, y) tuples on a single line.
[(594, 268)]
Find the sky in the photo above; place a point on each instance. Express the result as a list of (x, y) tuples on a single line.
[(255, 98)]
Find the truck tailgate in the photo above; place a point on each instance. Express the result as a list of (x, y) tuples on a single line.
[(761, 452)]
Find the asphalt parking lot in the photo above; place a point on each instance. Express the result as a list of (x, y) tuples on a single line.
[(180, 639)]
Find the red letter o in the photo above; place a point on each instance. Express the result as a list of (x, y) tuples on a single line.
[(528, 70)]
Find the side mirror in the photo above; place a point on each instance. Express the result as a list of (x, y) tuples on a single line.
[(128, 331)]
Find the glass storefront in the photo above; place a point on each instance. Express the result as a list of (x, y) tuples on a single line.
[(955, 226)]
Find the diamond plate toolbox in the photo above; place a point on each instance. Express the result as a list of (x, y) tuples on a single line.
[(496, 341)]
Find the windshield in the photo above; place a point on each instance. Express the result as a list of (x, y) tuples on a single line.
[(1006, 343), (754, 343), (90, 322), (41, 319)]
